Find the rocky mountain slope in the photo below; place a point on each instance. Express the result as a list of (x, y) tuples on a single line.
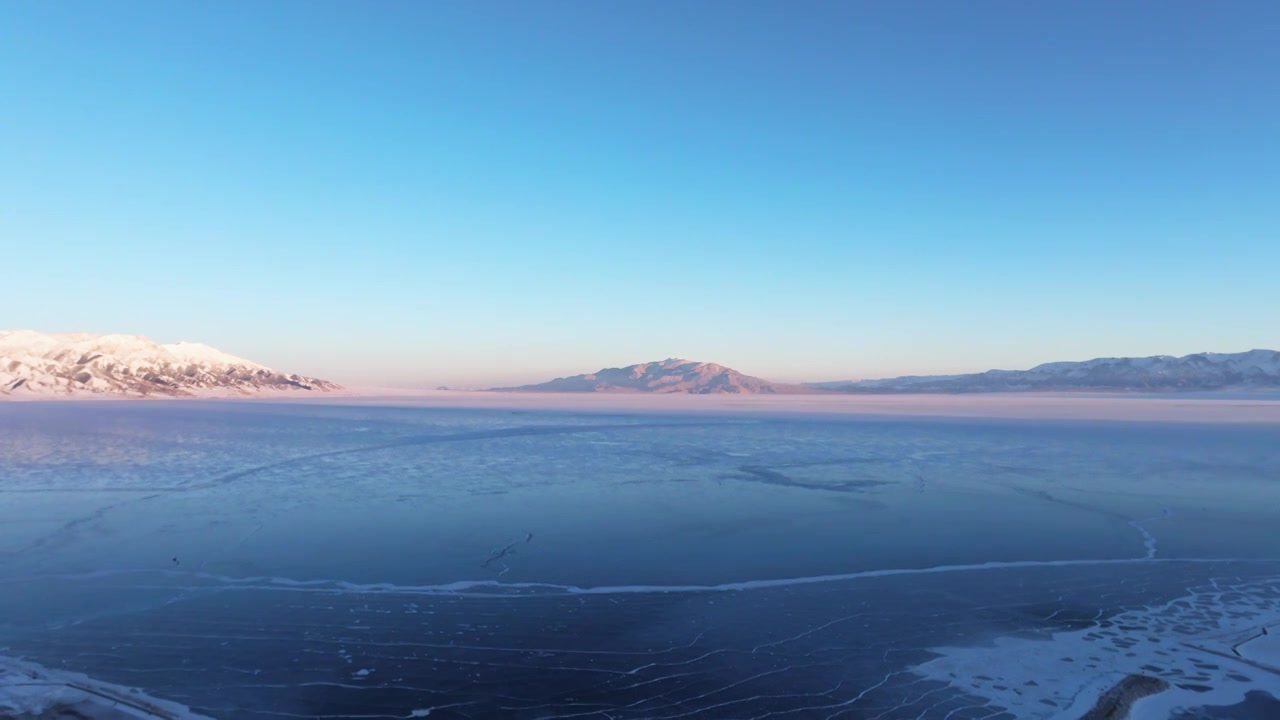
[(1255, 369), (39, 364), (667, 376)]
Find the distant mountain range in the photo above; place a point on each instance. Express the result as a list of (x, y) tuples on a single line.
[(1254, 369), (667, 376), (1200, 372), (43, 364), (36, 364)]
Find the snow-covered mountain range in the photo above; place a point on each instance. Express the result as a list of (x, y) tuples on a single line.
[(667, 376), (54, 364), (1161, 373)]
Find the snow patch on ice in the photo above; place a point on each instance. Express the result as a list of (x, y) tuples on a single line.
[(1189, 642), (29, 689), (1263, 649)]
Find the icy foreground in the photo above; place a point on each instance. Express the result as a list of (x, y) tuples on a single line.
[(267, 560), (28, 690), (34, 364)]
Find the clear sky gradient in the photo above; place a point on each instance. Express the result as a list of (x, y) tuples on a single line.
[(488, 192)]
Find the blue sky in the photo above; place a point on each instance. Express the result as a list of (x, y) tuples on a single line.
[(465, 193)]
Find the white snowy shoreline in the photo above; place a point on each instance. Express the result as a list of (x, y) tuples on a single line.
[(1253, 407), (1265, 409)]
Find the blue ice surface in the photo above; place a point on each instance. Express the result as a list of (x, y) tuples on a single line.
[(247, 557)]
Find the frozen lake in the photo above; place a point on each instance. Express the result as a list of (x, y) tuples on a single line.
[(259, 560)]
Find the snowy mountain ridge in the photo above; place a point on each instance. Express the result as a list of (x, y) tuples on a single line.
[(37, 364), (1158, 373), (673, 375)]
